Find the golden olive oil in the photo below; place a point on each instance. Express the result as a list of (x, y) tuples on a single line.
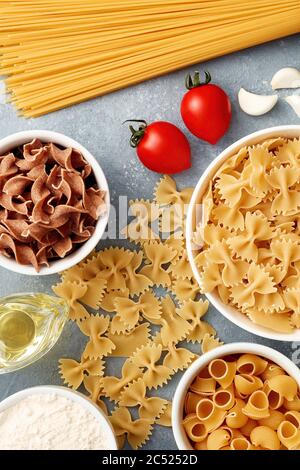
[(30, 325)]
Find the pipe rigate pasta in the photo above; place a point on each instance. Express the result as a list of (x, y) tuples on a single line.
[(289, 435), (146, 358), (240, 443), (195, 430), (272, 421), (218, 439), (251, 364), (209, 414), (257, 406), (265, 437), (222, 371), (246, 384), (236, 417), (284, 385), (135, 394), (242, 415)]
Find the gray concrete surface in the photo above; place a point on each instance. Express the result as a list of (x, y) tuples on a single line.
[(97, 124)]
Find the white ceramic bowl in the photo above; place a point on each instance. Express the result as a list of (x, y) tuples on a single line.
[(188, 377), (19, 138), (229, 312), (71, 395)]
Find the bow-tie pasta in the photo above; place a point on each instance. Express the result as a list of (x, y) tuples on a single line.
[(247, 243)]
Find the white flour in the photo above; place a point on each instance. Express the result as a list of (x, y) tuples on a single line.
[(51, 422)]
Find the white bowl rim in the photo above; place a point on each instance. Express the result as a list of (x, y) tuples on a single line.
[(221, 351), (19, 138), (73, 395), (230, 313)]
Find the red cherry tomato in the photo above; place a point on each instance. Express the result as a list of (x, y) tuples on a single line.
[(161, 147), (205, 109)]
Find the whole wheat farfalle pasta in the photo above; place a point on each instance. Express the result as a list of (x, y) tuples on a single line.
[(93, 385), (135, 281), (165, 419), (144, 327), (112, 386), (173, 327), (178, 358), (114, 261), (145, 214), (128, 311), (73, 372), (250, 214), (72, 292), (193, 311), (158, 255), (166, 192), (135, 395), (51, 205), (137, 431), (146, 358), (95, 326), (127, 343)]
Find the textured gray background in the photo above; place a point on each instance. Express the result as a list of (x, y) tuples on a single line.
[(97, 125)]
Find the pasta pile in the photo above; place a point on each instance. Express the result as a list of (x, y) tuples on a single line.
[(49, 202), (59, 53), (243, 402), (142, 326), (247, 245)]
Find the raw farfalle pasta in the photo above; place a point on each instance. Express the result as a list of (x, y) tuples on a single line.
[(72, 292), (135, 395), (166, 193), (193, 311), (173, 327), (154, 375), (230, 406), (49, 201), (136, 282), (158, 255), (247, 243), (146, 213), (128, 311), (98, 346), (112, 386), (137, 431), (93, 385), (178, 358), (144, 325), (73, 372), (114, 260), (127, 343)]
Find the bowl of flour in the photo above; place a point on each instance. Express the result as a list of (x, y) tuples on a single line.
[(53, 418)]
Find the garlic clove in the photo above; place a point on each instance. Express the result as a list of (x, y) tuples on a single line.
[(294, 102), (256, 105), (288, 77)]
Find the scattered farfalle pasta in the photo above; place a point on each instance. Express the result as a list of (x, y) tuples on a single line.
[(242, 402), (247, 243), (133, 320)]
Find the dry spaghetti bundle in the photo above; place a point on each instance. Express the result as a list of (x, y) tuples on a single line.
[(58, 53)]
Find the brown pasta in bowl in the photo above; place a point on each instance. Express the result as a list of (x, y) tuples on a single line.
[(53, 202)]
